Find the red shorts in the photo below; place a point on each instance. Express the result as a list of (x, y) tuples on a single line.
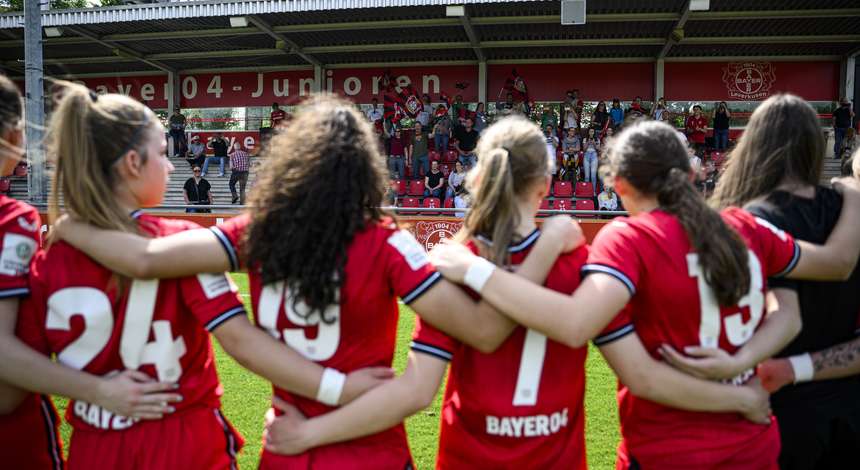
[(342, 457), (199, 438), (29, 436), (757, 453)]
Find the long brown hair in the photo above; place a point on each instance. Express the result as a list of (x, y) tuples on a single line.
[(11, 111), (652, 157), (87, 135), (512, 156), (324, 181), (782, 143)]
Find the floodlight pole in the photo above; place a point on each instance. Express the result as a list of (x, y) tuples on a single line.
[(34, 100)]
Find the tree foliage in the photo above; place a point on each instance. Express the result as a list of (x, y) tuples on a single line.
[(18, 5)]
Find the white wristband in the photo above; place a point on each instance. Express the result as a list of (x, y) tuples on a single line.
[(331, 386), (803, 368), (478, 274)]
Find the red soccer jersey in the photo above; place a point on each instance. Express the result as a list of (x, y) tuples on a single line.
[(78, 311), (382, 263), (693, 123), (520, 406), (672, 304), (19, 227)]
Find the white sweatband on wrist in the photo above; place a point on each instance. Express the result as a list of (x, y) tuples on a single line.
[(478, 274), (804, 370), (331, 386)]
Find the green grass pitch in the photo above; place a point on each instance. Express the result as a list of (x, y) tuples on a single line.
[(246, 400)]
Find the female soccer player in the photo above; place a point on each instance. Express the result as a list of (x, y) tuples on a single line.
[(522, 405), (774, 172), (325, 267), (110, 161), (691, 277), (28, 421)]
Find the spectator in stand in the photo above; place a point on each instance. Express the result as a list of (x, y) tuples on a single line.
[(698, 171), (591, 144), (571, 119), (197, 192), (697, 125), (548, 118), (434, 182), (574, 102), (419, 149), (424, 115), (240, 166), (551, 144), (441, 129), (659, 111), (508, 105), (462, 200), (219, 148), (177, 124), (849, 144), (570, 148), (459, 109), (480, 118), (607, 200), (396, 152), (842, 118), (277, 116), (455, 180), (600, 119), (467, 140), (616, 113), (196, 152), (721, 125), (606, 135), (636, 110), (375, 112)]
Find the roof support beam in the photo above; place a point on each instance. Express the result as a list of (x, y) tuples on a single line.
[(677, 31), (820, 39), (293, 47), (473, 37), (775, 14), (119, 49)]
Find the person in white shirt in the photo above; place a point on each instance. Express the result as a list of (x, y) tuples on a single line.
[(424, 115), (551, 144), (375, 112), (570, 119), (607, 200)]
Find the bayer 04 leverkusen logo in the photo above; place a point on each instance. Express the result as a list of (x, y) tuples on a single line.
[(429, 234), (749, 80)]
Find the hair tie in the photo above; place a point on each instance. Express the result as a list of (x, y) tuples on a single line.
[(94, 97)]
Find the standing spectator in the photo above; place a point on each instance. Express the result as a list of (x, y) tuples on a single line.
[(571, 119), (616, 113), (636, 110), (697, 169), (850, 144), (571, 145), (196, 192), (375, 112), (196, 152), (396, 151), (459, 109), (177, 131), (574, 102), (842, 117), (607, 200), (277, 116), (721, 125), (600, 119), (455, 180), (480, 118), (419, 149), (659, 111), (551, 144), (240, 165), (441, 129), (219, 147), (606, 135), (548, 118), (591, 144), (696, 127), (434, 182), (467, 140), (426, 112), (508, 105)]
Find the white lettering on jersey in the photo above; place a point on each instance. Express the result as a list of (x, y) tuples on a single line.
[(16, 254), (773, 228), (27, 225), (216, 284), (100, 418), (527, 426), (409, 247)]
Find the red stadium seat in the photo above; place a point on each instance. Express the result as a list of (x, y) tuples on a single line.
[(399, 187), (544, 206), (584, 189), (5, 185), (451, 156), (563, 204), (434, 156), (21, 169), (431, 203), (449, 204), (562, 189), (410, 202), (585, 205), (718, 159), (416, 188)]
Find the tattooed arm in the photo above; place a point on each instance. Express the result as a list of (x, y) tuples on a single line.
[(842, 360)]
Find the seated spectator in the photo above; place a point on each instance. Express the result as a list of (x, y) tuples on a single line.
[(462, 200), (551, 142), (455, 180), (177, 124), (375, 112), (467, 140), (600, 119), (396, 153), (696, 126), (851, 165), (607, 135), (441, 129), (508, 105), (219, 146), (607, 200), (196, 152), (419, 150), (636, 110), (196, 192), (480, 118), (616, 113), (548, 118), (277, 116), (434, 182), (571, 145), (849, 143), (240, 166), (698, 170)]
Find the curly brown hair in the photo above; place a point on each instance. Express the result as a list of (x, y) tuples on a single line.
[(324, 181)]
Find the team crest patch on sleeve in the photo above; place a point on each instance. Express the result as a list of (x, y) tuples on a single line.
[(409, 247), (17, 252), (215, 284)]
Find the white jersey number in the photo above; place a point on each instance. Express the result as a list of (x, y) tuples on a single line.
[(317, 349), (738, 332), (95, 308), (531, 367)]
